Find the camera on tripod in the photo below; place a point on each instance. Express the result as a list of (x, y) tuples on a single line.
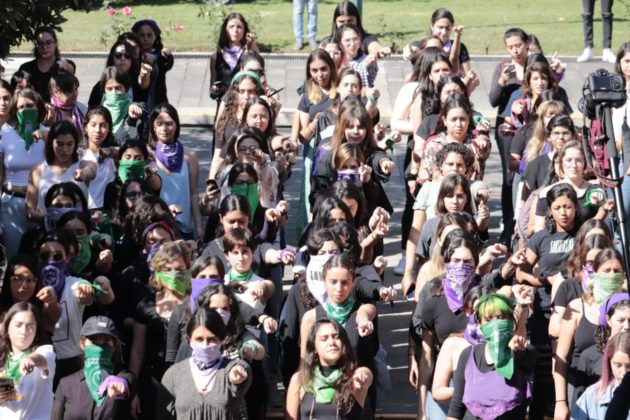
[(602, 87)]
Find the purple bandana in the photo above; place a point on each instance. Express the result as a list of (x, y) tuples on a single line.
[(197, 287), (53, 274), (587, 276), (459, 278), (472, 333), (231, 55), (170, 155)]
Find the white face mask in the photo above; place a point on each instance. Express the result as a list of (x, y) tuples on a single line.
[(314, 277)]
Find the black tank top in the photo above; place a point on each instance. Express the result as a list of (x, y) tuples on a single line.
[(583, 338), (309, 409)]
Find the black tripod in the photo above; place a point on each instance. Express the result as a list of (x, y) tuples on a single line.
[(604, 115)]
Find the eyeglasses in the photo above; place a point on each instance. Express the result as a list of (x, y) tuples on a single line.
[(56, 256), (44, 44), (133, 194), (23, 280), (120, 55)]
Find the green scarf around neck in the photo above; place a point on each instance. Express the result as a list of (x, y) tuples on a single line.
[(233, 275), (118, 105), (340, 312), (97, 366), (13, 365), (323, 387)]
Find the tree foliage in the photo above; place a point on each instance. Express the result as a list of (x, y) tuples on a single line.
[(20, 18)]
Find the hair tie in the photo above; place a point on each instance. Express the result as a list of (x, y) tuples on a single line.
[(246, 73)]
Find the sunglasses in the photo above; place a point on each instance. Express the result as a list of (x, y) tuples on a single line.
[(54, 256), (120, 55)]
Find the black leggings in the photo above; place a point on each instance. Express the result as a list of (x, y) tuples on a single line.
[(507, 210), (588, 7)]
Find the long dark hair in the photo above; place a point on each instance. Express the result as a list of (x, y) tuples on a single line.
[(346, 362), (239, 135), (235, 326), (271, 126), (52, 33), (560, 190), (428, 90), (168, 109), (453, 102), (347, 8), (103, 112), (345, 189), (59, 128), (208, 318), (323, 212), (25, 260), (447, 187), (5, 341), (602, 332), (131, 52), (224, 41), (67, 189)]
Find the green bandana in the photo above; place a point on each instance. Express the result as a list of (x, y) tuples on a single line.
[(498, 334), (588, 199), (130, 169), (232, 275), (177, 280), (323, 387), (250, 192), (28, 122), (341, 312), (83, 257), (605, 285), (118, 106), (13, 366), (96, 367)]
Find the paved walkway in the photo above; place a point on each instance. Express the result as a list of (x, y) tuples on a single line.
[(188, 91), (188, 81)]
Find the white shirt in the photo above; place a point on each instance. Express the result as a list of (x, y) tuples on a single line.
[(68, 329), (18, 161), (36, 389), (105, 173)]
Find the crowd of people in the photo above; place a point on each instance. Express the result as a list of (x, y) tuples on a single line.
[(131, 293)]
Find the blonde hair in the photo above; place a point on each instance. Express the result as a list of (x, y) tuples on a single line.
[(346, 152), (537, 143)]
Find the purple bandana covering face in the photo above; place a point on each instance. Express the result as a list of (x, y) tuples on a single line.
[(350, 175), (53, 214), (587, 276), (197, 287), (459, 277), (54, 274), (472, 333), (170, 155)]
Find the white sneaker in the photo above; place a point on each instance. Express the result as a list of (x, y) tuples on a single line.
[(587, 55), (608, 56)]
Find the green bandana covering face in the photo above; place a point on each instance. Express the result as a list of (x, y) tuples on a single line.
[(605, 285), (323, 387), (233, 275), (118, 106), (82, 259), (177, 280), (28, 122), (250, 192), (96, 367), (340, 312), (130, 169), (13, 366), (498, 334)]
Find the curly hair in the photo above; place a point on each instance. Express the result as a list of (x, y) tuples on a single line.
[(602, 332), (560, 190), (346, 362), (168, 252), (232, 113), (464, 151)]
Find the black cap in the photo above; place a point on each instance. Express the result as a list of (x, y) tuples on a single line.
[(99, 325)]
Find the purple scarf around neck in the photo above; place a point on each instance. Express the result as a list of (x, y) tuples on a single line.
[(170, 155), (231, 55)]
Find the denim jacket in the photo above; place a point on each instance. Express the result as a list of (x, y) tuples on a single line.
[(588, 408)]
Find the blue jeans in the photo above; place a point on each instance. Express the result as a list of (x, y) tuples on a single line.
[(298, 11)]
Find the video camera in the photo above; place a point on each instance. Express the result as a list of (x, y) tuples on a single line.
[(602, 87)]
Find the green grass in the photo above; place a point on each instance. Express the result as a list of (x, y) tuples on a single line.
[(556, 22)]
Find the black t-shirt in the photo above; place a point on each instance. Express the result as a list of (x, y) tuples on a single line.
[(438, 317), (551, 248), (521, 137), (567, 291), (313, 109), (428, 126), (537, 172), (41, 80), (155, 342)]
